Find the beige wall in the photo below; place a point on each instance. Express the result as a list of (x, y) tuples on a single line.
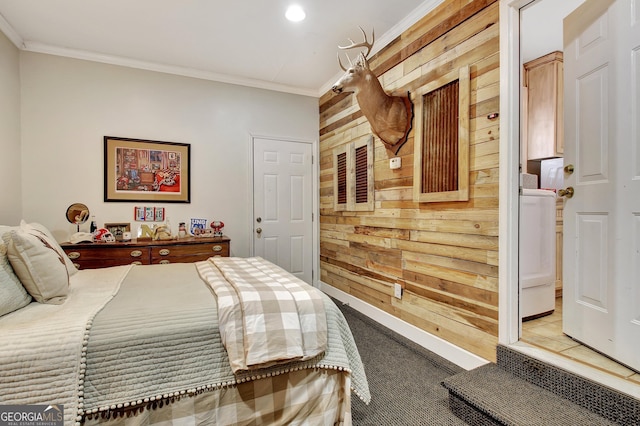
[(69, 105), (445, 255), (10, 176)]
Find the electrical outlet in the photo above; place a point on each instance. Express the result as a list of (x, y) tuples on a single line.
[(397, 291), (395, 163)]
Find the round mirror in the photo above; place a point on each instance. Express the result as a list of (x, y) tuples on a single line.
[(77, 213)]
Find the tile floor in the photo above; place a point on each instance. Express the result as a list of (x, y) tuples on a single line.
[(546, 333)]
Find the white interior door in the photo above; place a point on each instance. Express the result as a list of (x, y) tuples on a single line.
[(283, 204), (601, 280)]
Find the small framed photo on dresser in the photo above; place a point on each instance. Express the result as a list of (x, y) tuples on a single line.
[(118, 229), (197, 226)]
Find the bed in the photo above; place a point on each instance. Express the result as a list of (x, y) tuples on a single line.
[(170, 344)]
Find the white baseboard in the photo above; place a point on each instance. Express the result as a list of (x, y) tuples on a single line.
[(441, 347)]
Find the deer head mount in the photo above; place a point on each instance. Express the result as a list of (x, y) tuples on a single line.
[(390, 117)]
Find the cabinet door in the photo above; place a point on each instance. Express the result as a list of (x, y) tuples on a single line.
[(544, 81)]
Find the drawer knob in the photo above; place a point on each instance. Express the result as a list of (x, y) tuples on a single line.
[(164, 262), (136, 253), (136, 262), (164, 252), (216, 248), (74, 255), (77, 265)]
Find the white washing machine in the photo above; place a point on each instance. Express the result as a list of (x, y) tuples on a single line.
[(537, 260)]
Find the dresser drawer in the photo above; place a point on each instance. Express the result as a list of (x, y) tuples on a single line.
[(102, 257), (189, 252), (105, 263), (133, 253)]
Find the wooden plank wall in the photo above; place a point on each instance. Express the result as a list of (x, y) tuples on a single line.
[(445, 255)]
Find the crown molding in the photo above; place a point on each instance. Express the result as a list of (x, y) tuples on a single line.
[(167, 69), (395, 31), (11, 34)]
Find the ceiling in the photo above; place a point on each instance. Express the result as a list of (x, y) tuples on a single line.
[(247, 42)]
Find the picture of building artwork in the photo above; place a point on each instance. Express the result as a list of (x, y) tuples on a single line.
[(147, 170)]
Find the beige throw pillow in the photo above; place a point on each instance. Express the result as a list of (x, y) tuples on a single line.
[(13, 296), (52, 241), (39, 264)]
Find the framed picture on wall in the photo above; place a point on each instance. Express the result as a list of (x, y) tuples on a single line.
[(145, 170)]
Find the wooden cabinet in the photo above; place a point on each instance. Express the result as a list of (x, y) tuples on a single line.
[(543, 83), (101, 255)]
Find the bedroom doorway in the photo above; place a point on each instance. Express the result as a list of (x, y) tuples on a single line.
[(283, 204)]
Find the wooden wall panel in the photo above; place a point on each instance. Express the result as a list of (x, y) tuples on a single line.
[(445, 255)]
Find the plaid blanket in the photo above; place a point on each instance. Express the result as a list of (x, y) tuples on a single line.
[(308, 397), (267, 316)]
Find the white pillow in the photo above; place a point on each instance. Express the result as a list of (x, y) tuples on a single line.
[(13, 296), (39, 265), (52, 241)]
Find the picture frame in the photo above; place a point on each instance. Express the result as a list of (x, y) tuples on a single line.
[(197, 226), (146, 170), (118, 229), (149, 214), (159, 214), (139, 214)]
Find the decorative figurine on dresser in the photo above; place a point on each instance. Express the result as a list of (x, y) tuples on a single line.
[(217, 226)]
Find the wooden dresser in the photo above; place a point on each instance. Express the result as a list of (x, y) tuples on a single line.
[(145, 252)]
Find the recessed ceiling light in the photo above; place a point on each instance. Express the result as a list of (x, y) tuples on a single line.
[(295, 13)]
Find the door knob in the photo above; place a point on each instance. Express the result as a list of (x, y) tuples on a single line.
[(566, 192), (258, 219), (259, 231), (568, 169)]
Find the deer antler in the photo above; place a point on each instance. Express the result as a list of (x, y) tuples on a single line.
[(365, 43), (340, 62)]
